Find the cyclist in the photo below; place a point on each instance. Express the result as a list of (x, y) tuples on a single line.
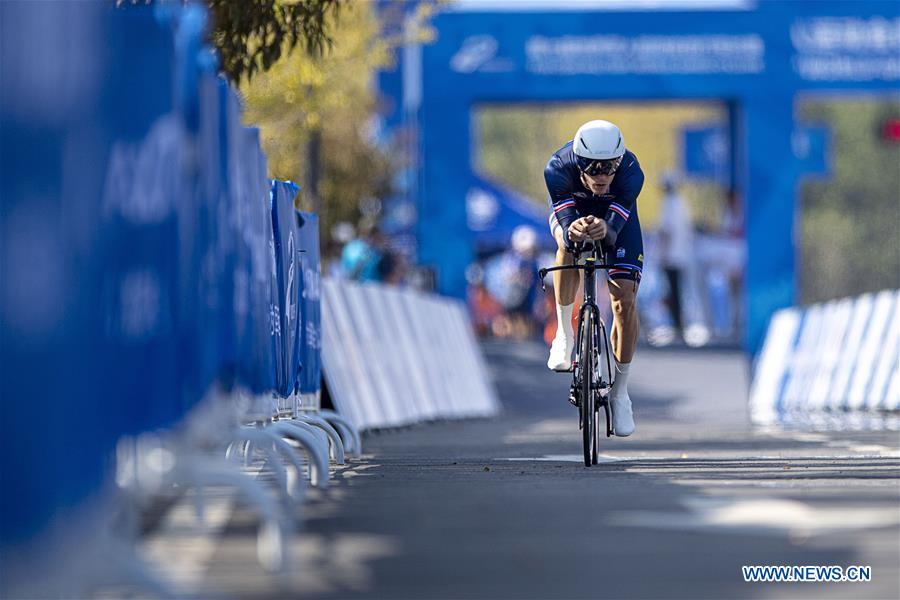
[(594, 182)]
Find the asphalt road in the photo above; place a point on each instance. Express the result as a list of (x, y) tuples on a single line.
[(503, 508)]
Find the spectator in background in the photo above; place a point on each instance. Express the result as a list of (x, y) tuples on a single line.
[(732, 227), (511, 278), (341, 234), (368, 258), (484, 308), (676, 246)]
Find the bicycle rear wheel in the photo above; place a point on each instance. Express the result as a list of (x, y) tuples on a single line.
[(588, 408)]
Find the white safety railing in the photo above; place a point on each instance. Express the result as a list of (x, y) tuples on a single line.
[(838, 358), (394, 357)]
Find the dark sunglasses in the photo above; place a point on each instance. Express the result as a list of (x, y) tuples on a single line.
[(598, 167)]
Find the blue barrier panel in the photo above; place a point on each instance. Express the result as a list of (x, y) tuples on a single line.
[(227, 243), (309, 365), (145, 182), (86, 297), (239, 226), (199, 280), (195, 87), (257, 367), (277, 301), (289, 281), (141, 259)]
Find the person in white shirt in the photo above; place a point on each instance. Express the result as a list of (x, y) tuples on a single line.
[(676, 245)]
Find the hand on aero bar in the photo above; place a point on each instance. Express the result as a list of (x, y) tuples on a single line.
[(587, 228)]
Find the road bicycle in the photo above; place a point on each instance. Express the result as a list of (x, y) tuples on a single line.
[(590, 386)]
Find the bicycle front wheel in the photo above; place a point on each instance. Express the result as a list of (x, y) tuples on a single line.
[(587, 367)]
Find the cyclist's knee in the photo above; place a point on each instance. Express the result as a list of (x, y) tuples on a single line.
[(558, 236), (562, 255), (624, 298), (624, 306)]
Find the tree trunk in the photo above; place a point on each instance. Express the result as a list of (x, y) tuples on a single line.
[(313, 167)]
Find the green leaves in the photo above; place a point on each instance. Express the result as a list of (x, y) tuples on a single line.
[(315, 116), (251, 35)]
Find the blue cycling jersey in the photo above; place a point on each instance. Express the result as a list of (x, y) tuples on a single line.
[(570, 199)]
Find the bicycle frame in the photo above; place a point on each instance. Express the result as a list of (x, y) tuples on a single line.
[(592, 262)]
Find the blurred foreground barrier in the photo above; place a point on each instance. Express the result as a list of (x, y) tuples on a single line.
[(830, 361), (151, 309), (395, 357)]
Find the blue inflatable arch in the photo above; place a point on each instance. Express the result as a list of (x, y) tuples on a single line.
[(756, 57)]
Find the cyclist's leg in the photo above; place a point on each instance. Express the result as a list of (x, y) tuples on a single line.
[(565, 283), (628, 254), (625, 329), (565, 286)]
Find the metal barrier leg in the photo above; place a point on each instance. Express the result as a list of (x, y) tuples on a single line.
[(274, 447), (265, 447), (354, 446), (316, 448), (336, 444), (272, 551)]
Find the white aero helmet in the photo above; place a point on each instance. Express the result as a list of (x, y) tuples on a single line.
[(597, 141)]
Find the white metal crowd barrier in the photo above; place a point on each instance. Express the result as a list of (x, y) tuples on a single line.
[(837, 357), (395, 356)]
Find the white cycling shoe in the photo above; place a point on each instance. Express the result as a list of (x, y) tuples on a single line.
[(622, 417), (560, 355)]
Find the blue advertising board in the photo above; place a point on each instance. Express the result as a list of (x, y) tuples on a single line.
[(289, 282), (310, 322), (707, 154)]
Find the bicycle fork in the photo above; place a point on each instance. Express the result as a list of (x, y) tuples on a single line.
[(576, 362), (601, 386)]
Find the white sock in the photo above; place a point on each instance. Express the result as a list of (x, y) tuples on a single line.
[(621, 383), (564, 321)]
